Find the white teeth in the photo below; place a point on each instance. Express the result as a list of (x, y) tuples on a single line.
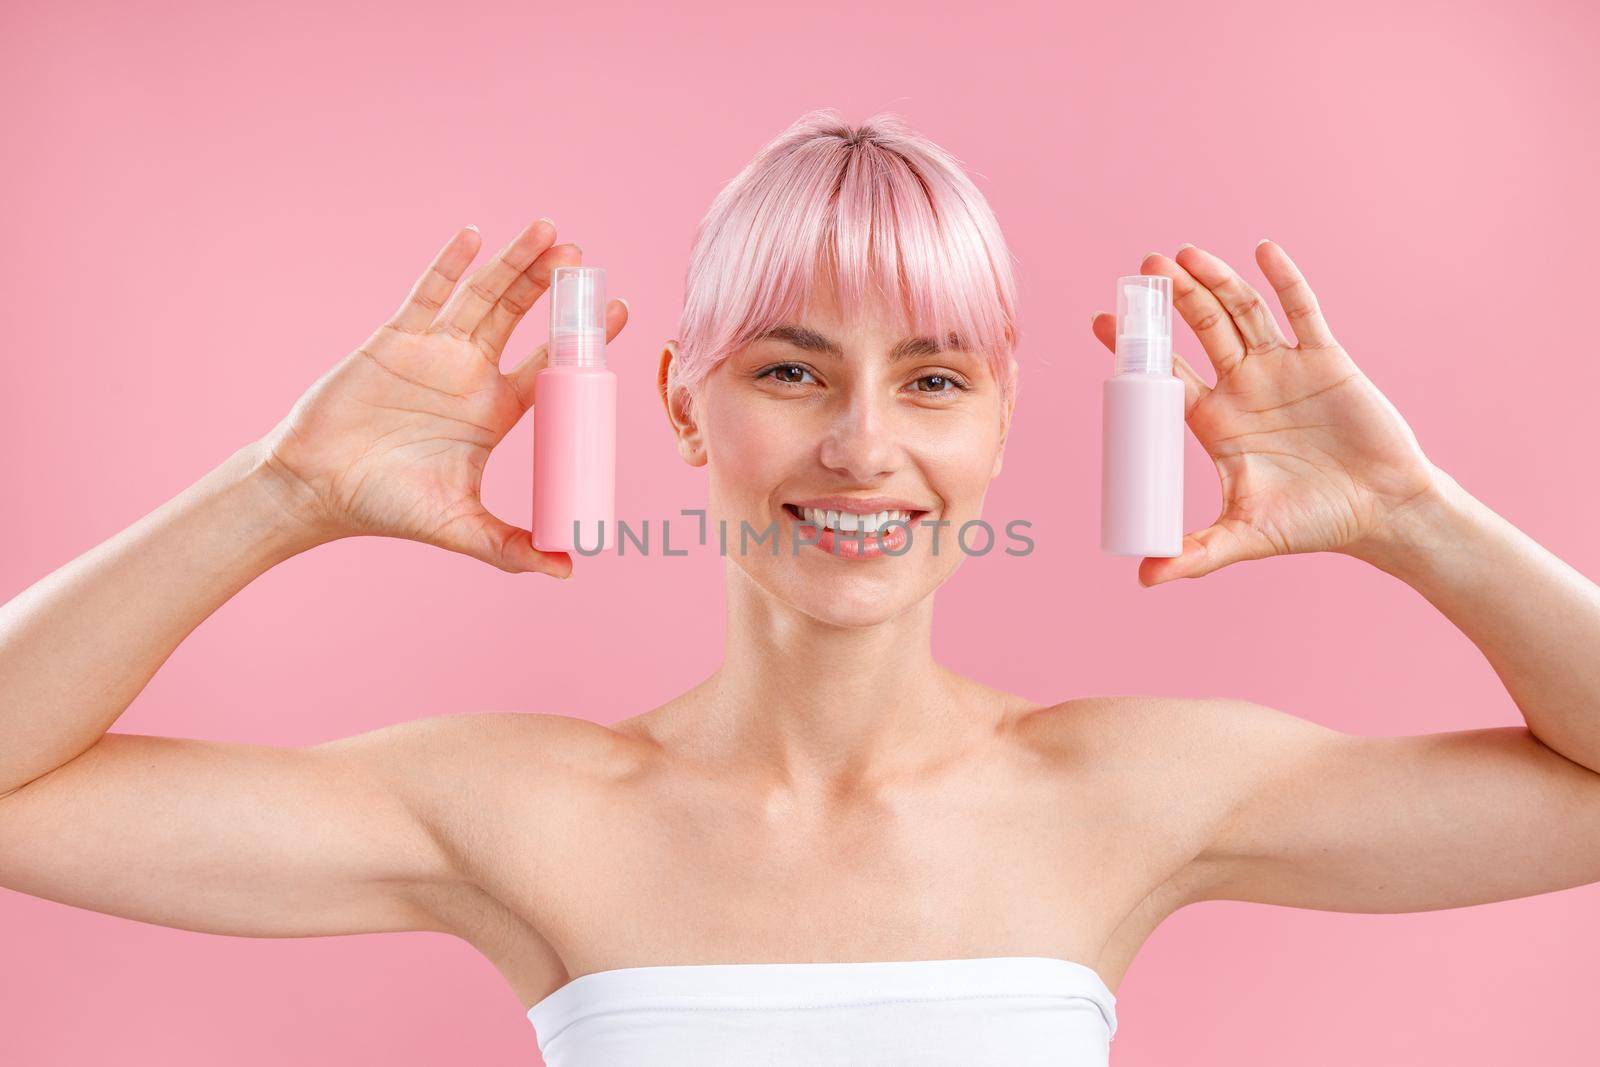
[(851, 521)]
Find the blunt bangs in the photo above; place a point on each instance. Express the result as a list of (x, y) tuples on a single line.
[(876, 211)]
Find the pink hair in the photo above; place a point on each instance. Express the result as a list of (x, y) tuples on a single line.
[(876, 208)]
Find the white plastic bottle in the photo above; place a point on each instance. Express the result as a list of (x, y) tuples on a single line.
[(1142, 427)]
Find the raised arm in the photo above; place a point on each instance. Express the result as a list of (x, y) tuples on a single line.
[(1313, 458), (245, 838)]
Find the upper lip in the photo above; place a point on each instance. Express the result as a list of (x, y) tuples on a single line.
[(861, 505)]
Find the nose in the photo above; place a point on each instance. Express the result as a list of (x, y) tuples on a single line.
[(859, 441)]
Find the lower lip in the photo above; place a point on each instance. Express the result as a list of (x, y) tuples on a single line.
[(856, 545)]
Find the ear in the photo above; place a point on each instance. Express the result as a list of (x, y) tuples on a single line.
[(1006, 414), (678, 401)]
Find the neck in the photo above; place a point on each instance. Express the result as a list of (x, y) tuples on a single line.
[(832, 709)]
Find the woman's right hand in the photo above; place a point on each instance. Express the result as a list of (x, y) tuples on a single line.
[(393, 440)]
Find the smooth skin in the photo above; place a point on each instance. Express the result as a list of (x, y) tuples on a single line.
[(830, 792)]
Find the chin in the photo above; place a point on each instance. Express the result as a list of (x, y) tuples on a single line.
[(844, 594), (849, 611)]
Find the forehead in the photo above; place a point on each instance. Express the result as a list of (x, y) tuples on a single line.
[(873, 321), (823, 326), (866, 322)]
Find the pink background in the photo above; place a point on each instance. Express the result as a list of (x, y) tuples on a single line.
[(206, 205)]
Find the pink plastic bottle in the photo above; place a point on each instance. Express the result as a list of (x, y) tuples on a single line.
[(575, 420), (1141, 444)]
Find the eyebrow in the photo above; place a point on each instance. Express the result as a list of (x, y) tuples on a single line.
[(810, 340)]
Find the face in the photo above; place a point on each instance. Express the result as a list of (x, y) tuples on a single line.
[(852, 416)]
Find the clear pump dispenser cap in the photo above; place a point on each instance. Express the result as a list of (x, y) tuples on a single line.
[(578, 317), (1144, 324)]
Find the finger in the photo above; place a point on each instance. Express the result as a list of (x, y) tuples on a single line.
[(433, 288), (1221, 543), (1199, 307), (1251, 316), (495, 329), (483, 536), (1195, 388), (523, 374), (1104, 325), (1295, 296), (468, 304)]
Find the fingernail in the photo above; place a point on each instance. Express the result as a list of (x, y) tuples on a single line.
[(547, 219), (473, 228), (1094, 318), (1182, 247), (1147, 255), (1263, 241)]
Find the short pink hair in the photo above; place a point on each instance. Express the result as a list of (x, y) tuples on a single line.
[(877, 208)]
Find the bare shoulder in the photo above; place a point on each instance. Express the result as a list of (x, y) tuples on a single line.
[(1202, 733), (1279, 809), (453, 771), (1180, 766), (483, 740), (492, 789), (1211, 749)]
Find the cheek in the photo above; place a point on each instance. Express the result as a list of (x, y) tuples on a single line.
[(749, 450), (958, 457)]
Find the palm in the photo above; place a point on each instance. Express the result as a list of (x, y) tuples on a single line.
[(1312, 457), (398, 435), (1310, 453), (394, 439)]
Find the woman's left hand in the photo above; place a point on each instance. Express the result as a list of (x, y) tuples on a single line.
[(1313, 458)]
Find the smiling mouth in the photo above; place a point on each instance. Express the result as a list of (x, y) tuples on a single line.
[(852, 522)]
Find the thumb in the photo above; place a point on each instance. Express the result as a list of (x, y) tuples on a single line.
[(1203, 552), (483, 536), (522, 375)]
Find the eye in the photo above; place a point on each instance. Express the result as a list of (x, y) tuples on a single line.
[(782, 373), (942, 383)]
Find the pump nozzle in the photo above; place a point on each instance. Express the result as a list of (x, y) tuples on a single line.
[(1144, 324), (578, 317)]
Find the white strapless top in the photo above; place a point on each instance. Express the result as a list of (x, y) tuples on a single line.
[(1019, 1011)]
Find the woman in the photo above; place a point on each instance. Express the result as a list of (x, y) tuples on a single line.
[(876, 861)]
